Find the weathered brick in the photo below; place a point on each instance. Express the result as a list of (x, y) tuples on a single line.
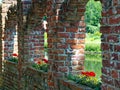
[(71, 29), (115, 74), (80, 46), (63, 35)]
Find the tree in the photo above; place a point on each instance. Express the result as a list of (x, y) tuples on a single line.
[(92, 16)]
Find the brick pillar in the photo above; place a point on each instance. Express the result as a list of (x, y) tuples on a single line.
[(5, 6), (66, 37), (111, 45), (34, 31), (0, 40), (10, 33)]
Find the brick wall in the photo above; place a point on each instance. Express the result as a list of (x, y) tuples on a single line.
[(110, 45), (38, 81), (66, 38)]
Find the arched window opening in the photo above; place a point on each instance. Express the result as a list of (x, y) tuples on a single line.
[(93, 58)]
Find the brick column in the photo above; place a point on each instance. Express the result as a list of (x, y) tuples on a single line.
[(34, 31), (10, 33), (0, 40), (66, 37), (111, 45)]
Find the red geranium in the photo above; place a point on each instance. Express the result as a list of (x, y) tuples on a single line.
[(91, 74), (45, 60), (14, 54), (39, 62)]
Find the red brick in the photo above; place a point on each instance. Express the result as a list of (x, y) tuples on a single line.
[(59, 40), (74, 63), (107, 63), (106, 56), (115, 74), (115, 56), (62, 46), (105, 29), (106, 71), (63, 35), (114, 20), (81, 46), (112, 38), (71, 41), (59, 63), (81, 41), (116, 29), (117, 48), (72, 29), (117, 83), (105, 46), (107, 80), (78, 36), (81, 10), (60, 58), (110, 88), (63, 69), (104, 87), (76, 68), (117, 66)]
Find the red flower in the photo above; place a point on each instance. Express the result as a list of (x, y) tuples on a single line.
[(45, 60), (83, 73), (91, 74), (14, 54), (87, 74), (38, 62)]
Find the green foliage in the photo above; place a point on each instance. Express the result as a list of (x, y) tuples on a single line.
[(93, 42), (43, 67), (85, 80), (92, 16), (13, 59)]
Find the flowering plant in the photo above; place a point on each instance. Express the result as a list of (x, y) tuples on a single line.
[(41, 65), (86, 78), (14, 58)]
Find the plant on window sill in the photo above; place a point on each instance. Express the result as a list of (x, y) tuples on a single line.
[(41, 65), (87, 79), (14, 58)]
